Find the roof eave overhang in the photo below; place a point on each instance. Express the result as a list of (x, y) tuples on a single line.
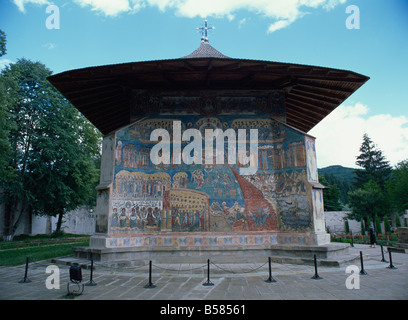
[(103, 93)]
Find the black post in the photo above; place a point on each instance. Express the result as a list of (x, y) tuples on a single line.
[(362, 271), (316, 276), (352, 240), (25, 280), (391, 266), (382, 254), (270, 279), (91, 282), (150, 284), (208, 283)]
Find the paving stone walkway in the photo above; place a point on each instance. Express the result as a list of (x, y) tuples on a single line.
[(230, 281)]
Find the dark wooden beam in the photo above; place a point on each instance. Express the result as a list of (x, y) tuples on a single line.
[(311, 103), (306, 110), (293, 112), (324, 93), (298, 124), (106, 117), (93, 93), (320, 85), (313, 99), (107, 99)]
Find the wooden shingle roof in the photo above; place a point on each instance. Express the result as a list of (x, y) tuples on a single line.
[(103, 93)]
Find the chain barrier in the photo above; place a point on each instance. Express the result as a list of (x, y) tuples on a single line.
[(130, 268), (217, 265), (179, 270), (235, 272), (124, 268)]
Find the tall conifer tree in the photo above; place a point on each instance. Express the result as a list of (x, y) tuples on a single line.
[(373, 163)]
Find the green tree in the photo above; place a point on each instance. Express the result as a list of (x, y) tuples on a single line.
[(65, 176), (368, 222), (362, 227), (387, 226), (54, 149), (343, 184), (3, 42), (397, 221), (377, 224), (347, 226), (373, 163), (331, 196), (397, 188), (6, 122), (366, 202)]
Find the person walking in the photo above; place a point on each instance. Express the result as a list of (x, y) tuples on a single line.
[(373, 239)]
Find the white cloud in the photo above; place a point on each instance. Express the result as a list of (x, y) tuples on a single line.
[(4, 62), (241, 23), (340, 134), (282, 12), (49, 45), (280, 24), (108, 7), (332, 3), (21, 3)]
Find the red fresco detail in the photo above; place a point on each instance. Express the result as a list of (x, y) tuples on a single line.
[(259, 212)]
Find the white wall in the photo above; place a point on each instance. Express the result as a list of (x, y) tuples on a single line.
[(336, 224), (80, 221)]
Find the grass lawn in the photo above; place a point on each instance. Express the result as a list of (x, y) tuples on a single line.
[(38, 248), (385, 239)]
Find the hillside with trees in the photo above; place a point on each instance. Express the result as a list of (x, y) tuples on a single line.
[(339, 176), (371, 192)]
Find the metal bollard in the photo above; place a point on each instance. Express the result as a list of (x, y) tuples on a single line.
[(150, 285), (91, 282), (362, 271), (391, 266), (270, 279), (208, 283), (382, 254), (316, 276), (25, 280)]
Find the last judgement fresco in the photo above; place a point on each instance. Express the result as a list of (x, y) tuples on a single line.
[(211, 197)]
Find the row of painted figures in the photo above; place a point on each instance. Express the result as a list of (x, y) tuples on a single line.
[(270, 157), (138, 218), (150, 219)]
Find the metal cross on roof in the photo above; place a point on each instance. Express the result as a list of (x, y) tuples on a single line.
[(204, 31)]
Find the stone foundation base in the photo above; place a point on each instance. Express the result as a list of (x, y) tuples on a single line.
[(203, 240), (331, 255), (225, 248)]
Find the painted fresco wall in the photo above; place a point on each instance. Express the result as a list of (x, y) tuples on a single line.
[(213, 198), (317, 192)]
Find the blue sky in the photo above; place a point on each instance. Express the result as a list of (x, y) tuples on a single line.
[(312, 32)]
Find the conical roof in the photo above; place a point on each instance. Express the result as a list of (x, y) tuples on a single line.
[(205, 51)]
